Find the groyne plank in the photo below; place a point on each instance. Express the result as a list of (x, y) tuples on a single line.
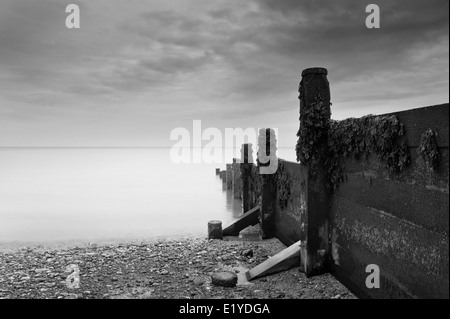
[(250, 218), (288, 258)]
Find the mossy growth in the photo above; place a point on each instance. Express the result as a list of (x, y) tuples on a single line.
[(313, 132), (283, 184), (381, 136), (428, 150), (280, 184)]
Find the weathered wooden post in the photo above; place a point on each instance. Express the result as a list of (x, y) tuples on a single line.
[(311, 152), (236, 187), (229, 176), (215, 229), (267, 157), (246, 168), (223, 177)]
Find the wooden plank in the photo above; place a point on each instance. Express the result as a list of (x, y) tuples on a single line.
[(406, 245), (414, 261), (250, 218), (287, 220), (287, 228), (351, 271), (417, 121), (416, 173), (425, 207), (288, 258)]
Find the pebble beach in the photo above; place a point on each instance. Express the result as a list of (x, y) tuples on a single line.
[(164, 269)]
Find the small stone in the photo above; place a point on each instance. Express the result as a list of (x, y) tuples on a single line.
[(224, 279), (198, 281), (247, 253)]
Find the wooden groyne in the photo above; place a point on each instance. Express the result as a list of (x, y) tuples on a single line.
[(366, 192)]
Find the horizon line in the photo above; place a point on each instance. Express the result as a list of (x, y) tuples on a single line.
[(112, 147)]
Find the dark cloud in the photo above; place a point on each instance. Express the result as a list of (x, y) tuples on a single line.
[(335, 32), (217, 59), (262, 49)]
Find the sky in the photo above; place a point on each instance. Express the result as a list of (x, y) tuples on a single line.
[(137, 69)]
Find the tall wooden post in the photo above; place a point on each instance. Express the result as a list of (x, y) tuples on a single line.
[(223, 176), (236, 187), (314, 217), (246, 167), (229, 176), (267, 148)]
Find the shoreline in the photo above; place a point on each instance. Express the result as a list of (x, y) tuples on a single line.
[(12, 246), (162, 269)]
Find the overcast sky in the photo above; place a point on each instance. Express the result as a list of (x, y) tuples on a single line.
[(139, 68)]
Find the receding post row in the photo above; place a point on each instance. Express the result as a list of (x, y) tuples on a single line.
[(239, 177)]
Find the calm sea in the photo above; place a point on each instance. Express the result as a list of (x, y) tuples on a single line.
[(54, 196)]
